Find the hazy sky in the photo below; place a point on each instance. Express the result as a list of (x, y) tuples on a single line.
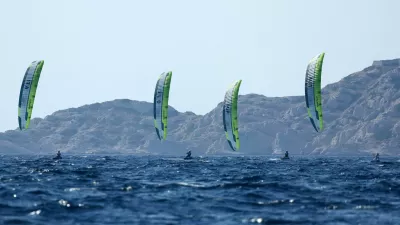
[(97, 51)]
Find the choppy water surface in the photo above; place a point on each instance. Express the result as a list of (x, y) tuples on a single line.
[(210, 190)]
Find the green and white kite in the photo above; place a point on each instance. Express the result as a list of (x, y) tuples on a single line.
[(161, 96), (27, 93), (313, 92), (230, 116)]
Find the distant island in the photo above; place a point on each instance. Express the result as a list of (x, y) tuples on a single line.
[(361, 114)]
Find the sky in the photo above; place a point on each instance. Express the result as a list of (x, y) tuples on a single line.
[(98, 50)]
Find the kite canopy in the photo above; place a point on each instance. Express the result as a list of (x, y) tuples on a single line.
[(27, 93), (313, 91), (161, 96), (230, 116)]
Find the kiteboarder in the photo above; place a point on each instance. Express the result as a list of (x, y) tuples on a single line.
[(286, 155), (376, 157), (188, 155), (58, 155)]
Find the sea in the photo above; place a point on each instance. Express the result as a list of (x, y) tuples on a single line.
[(100, 189)]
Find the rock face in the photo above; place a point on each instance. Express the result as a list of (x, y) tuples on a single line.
[(361, 115)]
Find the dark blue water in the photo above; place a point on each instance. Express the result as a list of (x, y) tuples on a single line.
[(210, 190)]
